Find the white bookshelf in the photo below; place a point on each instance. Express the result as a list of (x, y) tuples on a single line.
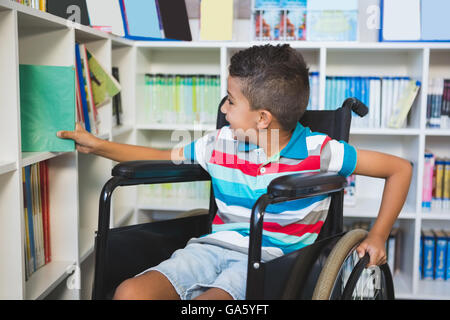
[(30, 36)]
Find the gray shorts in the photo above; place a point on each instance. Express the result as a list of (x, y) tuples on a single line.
[(199, 267)]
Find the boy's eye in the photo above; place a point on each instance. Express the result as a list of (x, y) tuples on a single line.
[(229, 101)]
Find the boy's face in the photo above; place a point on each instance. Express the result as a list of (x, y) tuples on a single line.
[(243, 121)]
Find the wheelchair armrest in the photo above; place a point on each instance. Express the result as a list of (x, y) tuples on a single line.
[(304, 185), (157, 171)]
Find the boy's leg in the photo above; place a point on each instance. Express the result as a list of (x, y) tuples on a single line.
[(151, 285), (214, 294)]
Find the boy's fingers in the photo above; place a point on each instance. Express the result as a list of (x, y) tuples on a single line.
[(65, 134)]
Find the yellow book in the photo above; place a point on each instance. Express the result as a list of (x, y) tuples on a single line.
[(216, 20), (404, 104)]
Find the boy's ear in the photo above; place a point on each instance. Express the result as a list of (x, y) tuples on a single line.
[(265, 118)]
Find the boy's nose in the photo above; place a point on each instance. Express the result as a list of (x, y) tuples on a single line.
[(223, 107)]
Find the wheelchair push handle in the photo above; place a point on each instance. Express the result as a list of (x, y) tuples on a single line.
[(356, 106)]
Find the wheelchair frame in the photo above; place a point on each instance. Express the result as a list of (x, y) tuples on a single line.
[(281, 189)]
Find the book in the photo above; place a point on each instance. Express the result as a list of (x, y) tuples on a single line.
[(402, 106), (429, 243), (175, 20), (47, 105), (142, 19), (216, 20), (117, 100), (329, 20), (106, 13), (440, 255), (103, 85), (82, 90), (72, 10), (407, 28), (435, 25)]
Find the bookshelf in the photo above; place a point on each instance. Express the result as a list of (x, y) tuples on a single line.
[(31, 36)]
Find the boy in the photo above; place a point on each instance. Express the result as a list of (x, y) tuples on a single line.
[(268, 91)]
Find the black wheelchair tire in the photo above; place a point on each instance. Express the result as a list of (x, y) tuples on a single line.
[(335, 259)]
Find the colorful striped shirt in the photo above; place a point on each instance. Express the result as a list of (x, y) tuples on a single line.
[(240, 173)]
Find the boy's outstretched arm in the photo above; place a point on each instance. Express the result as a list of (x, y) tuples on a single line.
[(88, 143), (397, 172)]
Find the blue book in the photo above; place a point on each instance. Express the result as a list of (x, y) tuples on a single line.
[(30, 215), (428, 255), (421, 257), (435, 24), (81, 86), (447, 265), (440, 255), (142, 19)]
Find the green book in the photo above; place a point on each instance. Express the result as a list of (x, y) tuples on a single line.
[(47, 105)]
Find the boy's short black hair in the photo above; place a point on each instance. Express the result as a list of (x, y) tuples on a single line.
[(274, 78)]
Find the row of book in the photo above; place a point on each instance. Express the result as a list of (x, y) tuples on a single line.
[(393, 244), (176, 98), (37, 247), (438, 104), (389, 99), (290, 20), (436, 183), (95, 87), (198, 190), (434, 263), (36, 4)]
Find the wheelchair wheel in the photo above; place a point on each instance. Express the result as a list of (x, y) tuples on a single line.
[(345, 276)]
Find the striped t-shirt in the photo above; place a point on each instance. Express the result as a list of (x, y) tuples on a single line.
[(240, 173)]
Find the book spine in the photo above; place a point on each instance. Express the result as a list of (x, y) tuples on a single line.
[(427, 181), (428, 256), (440, 259), (81, 86)]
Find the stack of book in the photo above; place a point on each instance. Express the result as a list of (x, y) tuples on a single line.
[(36, 217), (434, 263), (389, 99), (436, 183), (185, 99), (36, 4), (95, 87), (438, 104)]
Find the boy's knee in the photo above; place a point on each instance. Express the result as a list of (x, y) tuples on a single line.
[(127, 290)]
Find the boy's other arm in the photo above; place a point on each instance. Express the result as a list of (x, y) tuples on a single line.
[(397, 173), (88, 143)]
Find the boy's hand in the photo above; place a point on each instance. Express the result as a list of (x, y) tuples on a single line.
[(375, 247), (85, 142)]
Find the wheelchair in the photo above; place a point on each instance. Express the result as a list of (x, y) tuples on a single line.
[(328, 269)]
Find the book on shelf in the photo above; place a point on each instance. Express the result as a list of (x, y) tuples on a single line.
[(434, 255), (438, 104), (72, 10), (216, 20), (37, 247), (279, 20), (106, 16), (436, 184), (350, 191), (104, 85), (185, 99), (47, 105), (117, 100), (175, 20), (36, 4), (142, 19), (86, 107), (329, 20), (389, 99), (313, 103)]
